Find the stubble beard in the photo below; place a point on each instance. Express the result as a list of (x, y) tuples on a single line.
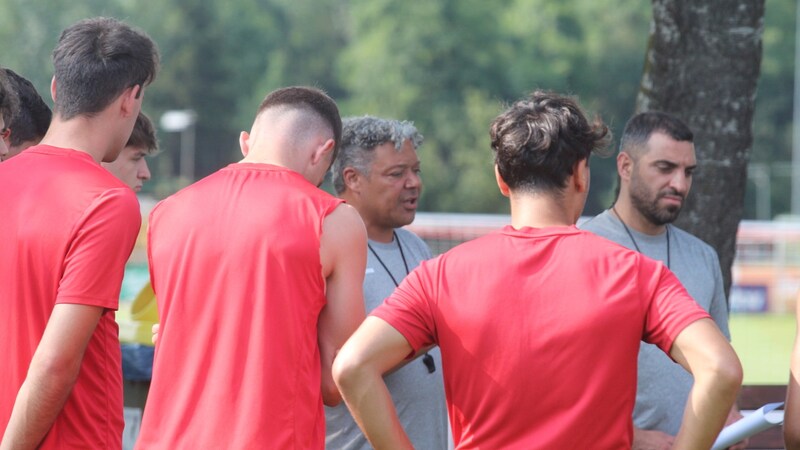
[(650, 210)]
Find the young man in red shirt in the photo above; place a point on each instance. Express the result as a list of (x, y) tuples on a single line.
[(539, 323), (69, 227), (131, 166), (258, 275)]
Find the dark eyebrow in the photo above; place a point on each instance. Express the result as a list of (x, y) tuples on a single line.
[(672, 164), (664, 162)]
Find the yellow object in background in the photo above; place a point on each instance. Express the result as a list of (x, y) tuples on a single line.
[(137, 329)]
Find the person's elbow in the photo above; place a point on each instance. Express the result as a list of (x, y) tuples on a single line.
[(348, 372), (731, 373), (726, 372), (330, 394), (59, 370)]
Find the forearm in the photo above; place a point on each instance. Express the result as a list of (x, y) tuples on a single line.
[(707, 409), (38, 404), (372, 408), (52, 374)]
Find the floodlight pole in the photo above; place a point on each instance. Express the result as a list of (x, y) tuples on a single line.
[(183, 121)]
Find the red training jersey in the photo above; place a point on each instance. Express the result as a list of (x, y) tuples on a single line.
[(69, 227), (235, 265), (539, 331)]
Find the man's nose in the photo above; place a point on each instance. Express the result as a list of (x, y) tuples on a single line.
[(144, 170), (413, 180), (680, 182)]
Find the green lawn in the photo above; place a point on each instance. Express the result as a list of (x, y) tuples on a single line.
[(764, 344)]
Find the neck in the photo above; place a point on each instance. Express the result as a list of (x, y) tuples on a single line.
[(87, 135), (540, 211), (626, 212), (379, 234), (255, 158)]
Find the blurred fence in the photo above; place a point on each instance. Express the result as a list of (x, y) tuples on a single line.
[(766, 271)]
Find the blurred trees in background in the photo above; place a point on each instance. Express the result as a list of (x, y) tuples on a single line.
[(448, 65)]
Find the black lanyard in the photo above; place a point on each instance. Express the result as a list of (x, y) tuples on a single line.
[(427, 359), (630, 235)]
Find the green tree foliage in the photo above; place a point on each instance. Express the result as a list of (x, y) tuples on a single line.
[(448, 65), (772, 130)]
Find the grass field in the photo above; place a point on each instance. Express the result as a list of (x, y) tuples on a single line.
[(764, 344)]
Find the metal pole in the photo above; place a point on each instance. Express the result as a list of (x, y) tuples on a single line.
[(187, 153)]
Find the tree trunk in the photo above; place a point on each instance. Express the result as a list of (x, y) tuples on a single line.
[(702, 65)]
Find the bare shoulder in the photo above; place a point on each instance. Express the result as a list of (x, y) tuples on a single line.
[(343, 221), (344, 237)]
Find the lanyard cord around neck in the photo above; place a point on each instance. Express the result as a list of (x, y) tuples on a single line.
[(402, 255), (427, 359), (630, 235)]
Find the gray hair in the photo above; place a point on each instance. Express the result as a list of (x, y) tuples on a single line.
[(360, 136)]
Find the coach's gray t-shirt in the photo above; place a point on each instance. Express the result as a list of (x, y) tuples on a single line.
[(418, 394), (663, 385)]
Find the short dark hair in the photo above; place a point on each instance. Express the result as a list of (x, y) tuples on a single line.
[(315, 99), (96, 60), (143, 135), (641, 126), (8, 99), (538, 141), (360, 136), (33, 116)]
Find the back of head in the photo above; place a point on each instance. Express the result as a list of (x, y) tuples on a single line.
[(32, 119), (143, 135), (538, 141), (8, 99), (96, 60), (641, 126), (360, 136), (308, 99)]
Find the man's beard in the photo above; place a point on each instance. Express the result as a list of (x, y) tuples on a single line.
[(650, 210)]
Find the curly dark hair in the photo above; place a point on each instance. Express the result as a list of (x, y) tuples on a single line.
[(33, 116), (8, 99), (538, 140)]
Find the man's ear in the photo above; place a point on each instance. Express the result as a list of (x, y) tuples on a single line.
[(352, 179), (581, 175), (624, 165), (244, 137), (130, 101), (322, 151), (53, 88), (501, 183)]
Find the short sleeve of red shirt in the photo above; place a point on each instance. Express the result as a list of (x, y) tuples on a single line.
[(409, 310), (670, 309), (101, 243)]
